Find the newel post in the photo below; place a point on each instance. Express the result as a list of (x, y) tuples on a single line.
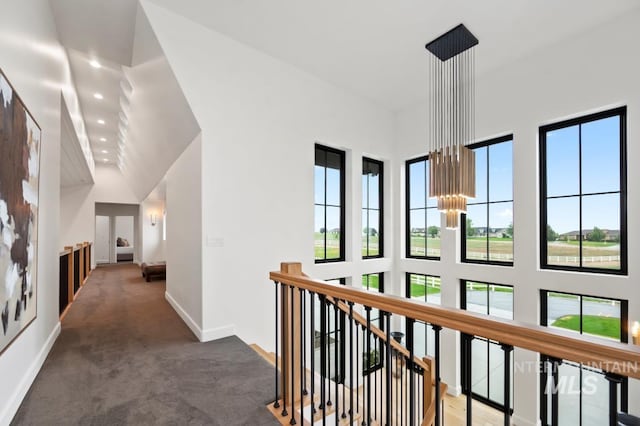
[(291, 343)]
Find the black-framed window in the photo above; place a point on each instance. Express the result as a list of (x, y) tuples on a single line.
[(329, 192), (583, 220), (423, 217), (375, 283), (487, 227), (372, 208), (487, 356), (425, 288), (582, 391)]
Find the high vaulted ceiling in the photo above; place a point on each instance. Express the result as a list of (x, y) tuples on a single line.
[(375, 48), (372, 48)]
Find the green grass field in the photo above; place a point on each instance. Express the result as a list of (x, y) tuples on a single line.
[(591, 324)]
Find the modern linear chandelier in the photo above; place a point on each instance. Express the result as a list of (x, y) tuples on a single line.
[(452, 121)]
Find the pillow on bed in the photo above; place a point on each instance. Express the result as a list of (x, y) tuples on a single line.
[(120, 242), (126, 242)]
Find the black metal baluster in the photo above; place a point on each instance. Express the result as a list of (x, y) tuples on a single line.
[(544, 398), (335, 358), (323, 356), (284, 328), (304, 346), (367, 368), (343, 375), (410, 369), (302, 352), (328, 378), (467, 354), (614, 380), (375, 382), (437, 329), (312, 305), (555, 366), (351, 412), (507, 383), (293, 385), (389, 385), (276, 403), (402, 383), (357, 372)]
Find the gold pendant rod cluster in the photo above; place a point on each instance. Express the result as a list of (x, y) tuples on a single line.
[(452, 121)]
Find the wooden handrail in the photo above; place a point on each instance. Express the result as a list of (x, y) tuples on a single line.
[(614, 357)]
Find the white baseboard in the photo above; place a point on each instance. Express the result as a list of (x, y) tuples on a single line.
[(202, 335), (454, 391), (15, 400), (519, 421)]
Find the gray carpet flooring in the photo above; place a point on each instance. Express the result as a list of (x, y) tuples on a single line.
[(124, 357)]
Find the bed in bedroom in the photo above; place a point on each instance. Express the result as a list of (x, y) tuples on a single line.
[(124, 250)]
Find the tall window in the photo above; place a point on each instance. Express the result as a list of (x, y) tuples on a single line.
[(583, 396), (329, 204), (372, 230), (423, 217), (487, 227), (583, 194), (487, 357), (374, 283), (425, 288)]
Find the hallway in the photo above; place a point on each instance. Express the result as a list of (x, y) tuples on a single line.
[(125, 357)]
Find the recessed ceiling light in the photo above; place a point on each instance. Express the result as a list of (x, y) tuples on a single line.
[(103, 139), (104, 151), (98, 96), (95, 64), (105, 160), (101, 121)]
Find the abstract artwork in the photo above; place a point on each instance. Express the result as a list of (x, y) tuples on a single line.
[(19, 184)]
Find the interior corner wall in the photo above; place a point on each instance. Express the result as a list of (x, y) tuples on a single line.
[(112, 187), (37, 66), (590, 72), (260, 119), (184, 236)]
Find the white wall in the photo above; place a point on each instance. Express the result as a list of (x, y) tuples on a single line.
[(260, 119), (37, 66), (570, 78), (124, 229), (102, 243), (76, 211), (184, 236), (153, 246), (112, 187)]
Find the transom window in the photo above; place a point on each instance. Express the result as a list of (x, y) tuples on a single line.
[(487, 227), (423, 217), (583, 193), (329, 204), (372, 229)]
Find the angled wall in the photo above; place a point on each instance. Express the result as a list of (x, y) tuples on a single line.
[(260, 119)]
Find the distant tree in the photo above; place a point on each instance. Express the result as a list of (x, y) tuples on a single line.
[(323, 230), (596, 235), (370, 231), (509, 231), (469, 226), (433, 231), (551, 234)]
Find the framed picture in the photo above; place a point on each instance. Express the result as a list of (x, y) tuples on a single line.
[(20, 138)]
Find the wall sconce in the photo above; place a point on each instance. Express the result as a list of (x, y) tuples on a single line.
[(635, 333), (154, 219)]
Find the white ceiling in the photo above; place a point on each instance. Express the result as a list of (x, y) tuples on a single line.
[(375, 48)]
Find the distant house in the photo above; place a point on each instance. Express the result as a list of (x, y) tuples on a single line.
[(609, 235), (490, 232)]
